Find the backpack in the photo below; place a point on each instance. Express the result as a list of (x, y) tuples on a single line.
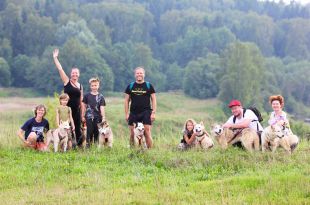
[(148, 85), (256, 112)]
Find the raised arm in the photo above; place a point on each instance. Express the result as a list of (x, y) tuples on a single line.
[(63, 75)]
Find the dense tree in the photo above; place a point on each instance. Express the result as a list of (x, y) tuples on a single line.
[(297, 38), (243, 74), (77, 30), (169, 38), (5, 75), (6, 49), (174, 24), (174, 75), (38, 33), (200, 79), (127, 21), (19, 69)]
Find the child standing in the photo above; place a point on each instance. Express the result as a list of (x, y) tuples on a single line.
[(93, 111), (64, 113), (189, 136)]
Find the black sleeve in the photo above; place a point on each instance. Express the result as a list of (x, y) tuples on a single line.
[(47, 126), (128, 91), (102, 102), (152, 90), (85, 99)]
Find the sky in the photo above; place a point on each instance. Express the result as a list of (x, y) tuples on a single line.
[(299, 1)]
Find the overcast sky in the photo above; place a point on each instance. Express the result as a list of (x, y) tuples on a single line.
[(288, 1)]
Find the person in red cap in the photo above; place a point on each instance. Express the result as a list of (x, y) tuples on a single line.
[(242, 118)]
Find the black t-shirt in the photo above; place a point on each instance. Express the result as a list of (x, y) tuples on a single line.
[(93, 103), (140, 96), (38, 127), (75, 95), (189, 135)]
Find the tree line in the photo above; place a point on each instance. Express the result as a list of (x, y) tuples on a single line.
[(245, 49)]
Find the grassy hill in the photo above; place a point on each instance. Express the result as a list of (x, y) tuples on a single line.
[(162, 175)]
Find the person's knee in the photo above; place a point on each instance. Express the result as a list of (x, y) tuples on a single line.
[(32, 137)]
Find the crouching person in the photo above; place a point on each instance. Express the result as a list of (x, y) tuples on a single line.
[(189, 136), (31, 133)]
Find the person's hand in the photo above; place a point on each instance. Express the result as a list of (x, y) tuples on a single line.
[(73, 128), (153, 116), (55, 53), (127, 117), (83, 120), (26, 142)]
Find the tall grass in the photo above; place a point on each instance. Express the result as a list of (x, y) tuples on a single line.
[(162, 175)]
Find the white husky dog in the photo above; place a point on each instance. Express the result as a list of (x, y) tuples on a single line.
[(59, 136)]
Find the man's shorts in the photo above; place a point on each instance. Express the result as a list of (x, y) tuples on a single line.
[(144, 117)]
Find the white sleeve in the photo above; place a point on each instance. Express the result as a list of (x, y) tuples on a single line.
[(249, 114), (230, 120)]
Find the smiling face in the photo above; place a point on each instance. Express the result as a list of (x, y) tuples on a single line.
[(236, 111), (75, 74), (40, 112), (276, 106), (139, 74), (94, 86), (189, 126)]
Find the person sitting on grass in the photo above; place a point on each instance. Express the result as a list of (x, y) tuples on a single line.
[(31, 133), (189, 136)]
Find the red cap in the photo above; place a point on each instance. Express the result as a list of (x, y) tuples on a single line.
[(234, 103)]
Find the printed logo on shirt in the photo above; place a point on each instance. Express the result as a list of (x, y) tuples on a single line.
[(37, 130), (138, 91)]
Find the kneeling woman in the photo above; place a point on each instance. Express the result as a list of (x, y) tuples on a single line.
[(31, 133)]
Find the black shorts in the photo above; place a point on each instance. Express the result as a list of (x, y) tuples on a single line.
[(144, 117)]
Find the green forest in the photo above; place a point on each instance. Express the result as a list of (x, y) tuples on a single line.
[(244, 49)]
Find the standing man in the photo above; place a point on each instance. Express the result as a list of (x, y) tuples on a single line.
[(140, 94)]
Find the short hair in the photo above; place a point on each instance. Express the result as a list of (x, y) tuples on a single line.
[(278, 98), (139, 68), (39, 107), (64, 96), (93, 80)]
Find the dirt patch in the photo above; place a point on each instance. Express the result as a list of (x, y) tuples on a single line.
[(18, 104)]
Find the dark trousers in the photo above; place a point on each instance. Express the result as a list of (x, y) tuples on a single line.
[(77, 123), (92, 131)]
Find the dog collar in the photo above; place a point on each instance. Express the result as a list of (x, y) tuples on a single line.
[(201, 134)]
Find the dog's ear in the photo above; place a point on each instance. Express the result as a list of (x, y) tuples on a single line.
[(201, 122), (134, 125)]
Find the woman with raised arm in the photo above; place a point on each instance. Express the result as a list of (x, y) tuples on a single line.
[(75, 91)]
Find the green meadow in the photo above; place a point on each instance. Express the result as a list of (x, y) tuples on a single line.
[(162, 175)]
